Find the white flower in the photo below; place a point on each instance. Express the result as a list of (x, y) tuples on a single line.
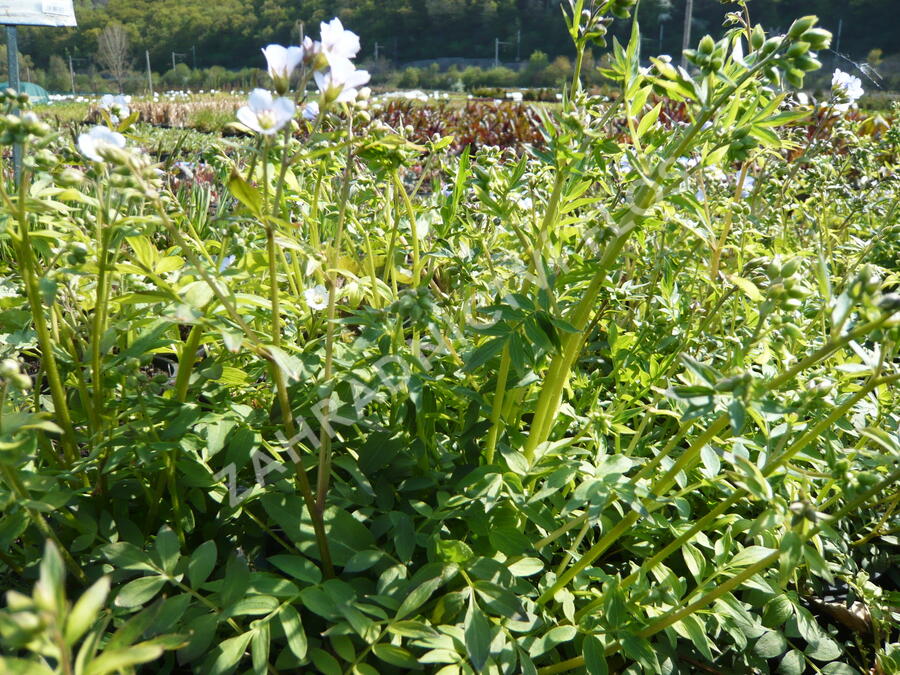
[(116, 106), (337, 43), (281, 62), (845, 88), (341, 82), (227, 261), (93, 143), (311, 111), (264, 114), (316, 297)]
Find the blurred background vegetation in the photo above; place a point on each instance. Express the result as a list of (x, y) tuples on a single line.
[(438, 44)]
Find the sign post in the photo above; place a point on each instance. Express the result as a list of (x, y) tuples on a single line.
[(15, 13)]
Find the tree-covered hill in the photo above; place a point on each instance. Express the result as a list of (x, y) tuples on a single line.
[(230, 32)]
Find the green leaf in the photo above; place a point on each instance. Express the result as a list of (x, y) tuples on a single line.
[(697, 633), (452, 550), (750, 556), (791, 553), (229, 653), (778, 610), (168, 549), (823, 649), (396, 656), (594, 656), (770, 645), (139, 591), (259, 648), (325, 663), (747, 287), (293, 631), (484, 353), (526, 567), (477, 630), (85, 611), (245, 193), (128, 557), (116, 660), (298, 567), (252, 605), (839, 669), (649, 120), (694, 560), (418, 596), (412, 629), (50, 591), (12, 666), (793, 663), (201, 564), (501, 601)]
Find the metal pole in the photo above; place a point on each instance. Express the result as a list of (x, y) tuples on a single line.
[(661, 25), (837, 41), (149, 72), (72, 74), (686, 42), (173, 60), (12, 55), (496, 52)]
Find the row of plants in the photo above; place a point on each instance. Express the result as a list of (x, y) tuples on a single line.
[(619, 400)]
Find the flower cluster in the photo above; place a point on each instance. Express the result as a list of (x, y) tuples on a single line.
[(845, 89), (116, 106), (99, 140), (331, 62)]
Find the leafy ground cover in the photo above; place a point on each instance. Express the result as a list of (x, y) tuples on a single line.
[(339, 399)]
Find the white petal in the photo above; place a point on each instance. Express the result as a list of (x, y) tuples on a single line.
[(248, 118), (260, 99)]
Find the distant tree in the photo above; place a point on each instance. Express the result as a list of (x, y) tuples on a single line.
[(58, 74), (112, 52)]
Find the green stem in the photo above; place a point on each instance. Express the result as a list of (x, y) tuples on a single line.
[(186, 361), (15, 485), (25, 253), (497, 406)]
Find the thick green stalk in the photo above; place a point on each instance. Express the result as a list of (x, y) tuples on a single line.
[(186, 361), (325, 451), (45, 341), (497, 406), (98, 326), (647, 195)]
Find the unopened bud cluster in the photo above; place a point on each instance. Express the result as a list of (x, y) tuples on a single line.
[(19, 128), (786, 288), (11, 375)]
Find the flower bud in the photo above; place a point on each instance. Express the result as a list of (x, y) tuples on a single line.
[(70, 177), (801, 25), (21, 381), (9, 368), (790, 268), (707, 45), (797, 49), (757, 37), (818, 39), (771, 45)]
